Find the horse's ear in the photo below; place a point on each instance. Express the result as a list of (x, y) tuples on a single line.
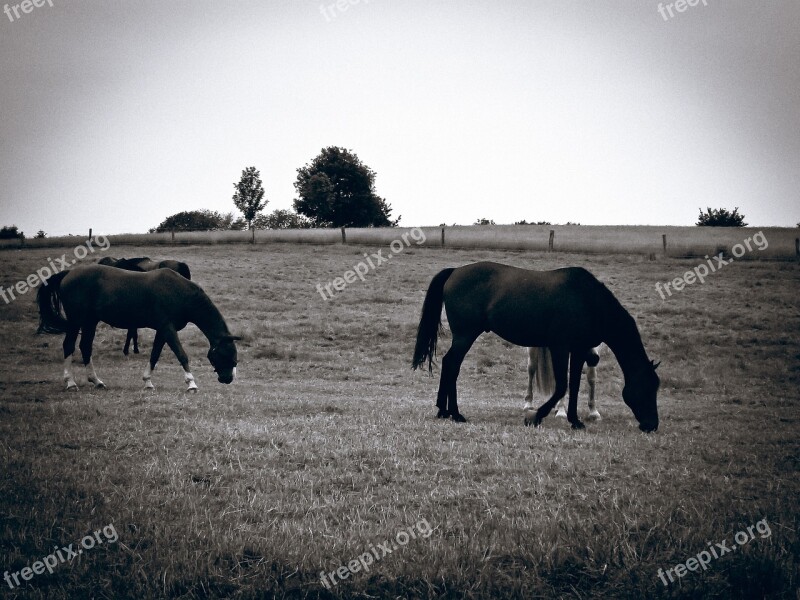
[(655, 364)]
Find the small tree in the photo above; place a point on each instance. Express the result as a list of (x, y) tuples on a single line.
[(40, 234), (720, 217), (249, 195), (484, 222)]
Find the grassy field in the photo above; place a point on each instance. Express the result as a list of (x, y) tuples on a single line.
[(326, 448)]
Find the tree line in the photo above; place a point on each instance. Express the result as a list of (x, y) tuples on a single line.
[(335, 189)]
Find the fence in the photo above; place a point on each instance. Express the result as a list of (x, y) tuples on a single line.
[(652, 241)]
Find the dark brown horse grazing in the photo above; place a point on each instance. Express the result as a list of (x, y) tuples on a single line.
[(142, 265), (567, 310), (161, 300)]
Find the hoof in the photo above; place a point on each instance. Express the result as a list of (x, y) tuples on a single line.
[(100, 385), (72, 388), (193, 390), (442, 414), (578, 425), (593, 416), (136, 351), (148, 385), (458, 418)]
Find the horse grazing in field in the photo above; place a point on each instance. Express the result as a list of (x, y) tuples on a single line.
[(142, 265), (567, 310), (160, 300), (540, 368)]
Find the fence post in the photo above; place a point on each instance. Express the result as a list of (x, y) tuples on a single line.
[(664, 242), (797, 247), (90, 233), (253, 239), (173, 234), (550, 243), (344, 236), (442, 237)]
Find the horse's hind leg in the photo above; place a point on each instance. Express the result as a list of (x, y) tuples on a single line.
[(591, 378), (531, 375), (87, 339), (69, 350), (575, 372), (446, 399), (560, 361)]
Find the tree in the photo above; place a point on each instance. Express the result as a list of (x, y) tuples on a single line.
[(194, 220), (281, 219), (721, 217), (40, 234), (249, 195), (10, 233), (337, 190), (484, 222)]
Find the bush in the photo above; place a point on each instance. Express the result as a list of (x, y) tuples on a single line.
[(720, 217), (10, 233)]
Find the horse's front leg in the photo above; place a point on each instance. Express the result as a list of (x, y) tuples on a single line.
[(171, 337), (155, 354), (575, 372)]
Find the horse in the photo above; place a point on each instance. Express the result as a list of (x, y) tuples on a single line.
[(566, 310), (540, 367), (160, 300), (143, 264)]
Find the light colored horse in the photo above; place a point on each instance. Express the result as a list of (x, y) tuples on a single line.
[(540, 367)]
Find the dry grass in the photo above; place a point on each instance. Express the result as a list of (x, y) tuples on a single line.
[(326, 444), (682, 242)]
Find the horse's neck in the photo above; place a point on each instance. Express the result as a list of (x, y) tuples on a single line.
[(207, 317), (625, 342)]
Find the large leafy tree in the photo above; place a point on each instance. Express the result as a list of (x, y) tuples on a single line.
[(336, 189), (721, 217), (249, 195), (281, 219)]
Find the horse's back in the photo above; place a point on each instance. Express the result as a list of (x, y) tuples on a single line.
[(526, 307)]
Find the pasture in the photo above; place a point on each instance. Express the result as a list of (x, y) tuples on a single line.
[(325, 447)]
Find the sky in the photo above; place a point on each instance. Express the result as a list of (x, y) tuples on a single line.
[(115, 115)]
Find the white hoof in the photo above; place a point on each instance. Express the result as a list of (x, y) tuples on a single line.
[(72, 386), (98, 384), (148, 385), (192, 389), (593, 416)]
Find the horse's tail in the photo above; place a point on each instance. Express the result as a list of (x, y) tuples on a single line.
[(49, 299), (431, 321), (545, 379)]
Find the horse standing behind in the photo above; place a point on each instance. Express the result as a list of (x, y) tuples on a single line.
[(566, 310), (143, 264), (160, 300), (540, 367)]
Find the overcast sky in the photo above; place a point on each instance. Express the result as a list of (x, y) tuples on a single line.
[(117, 114)]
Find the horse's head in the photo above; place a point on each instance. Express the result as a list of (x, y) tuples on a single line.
[(223, 358), (640, 393)]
